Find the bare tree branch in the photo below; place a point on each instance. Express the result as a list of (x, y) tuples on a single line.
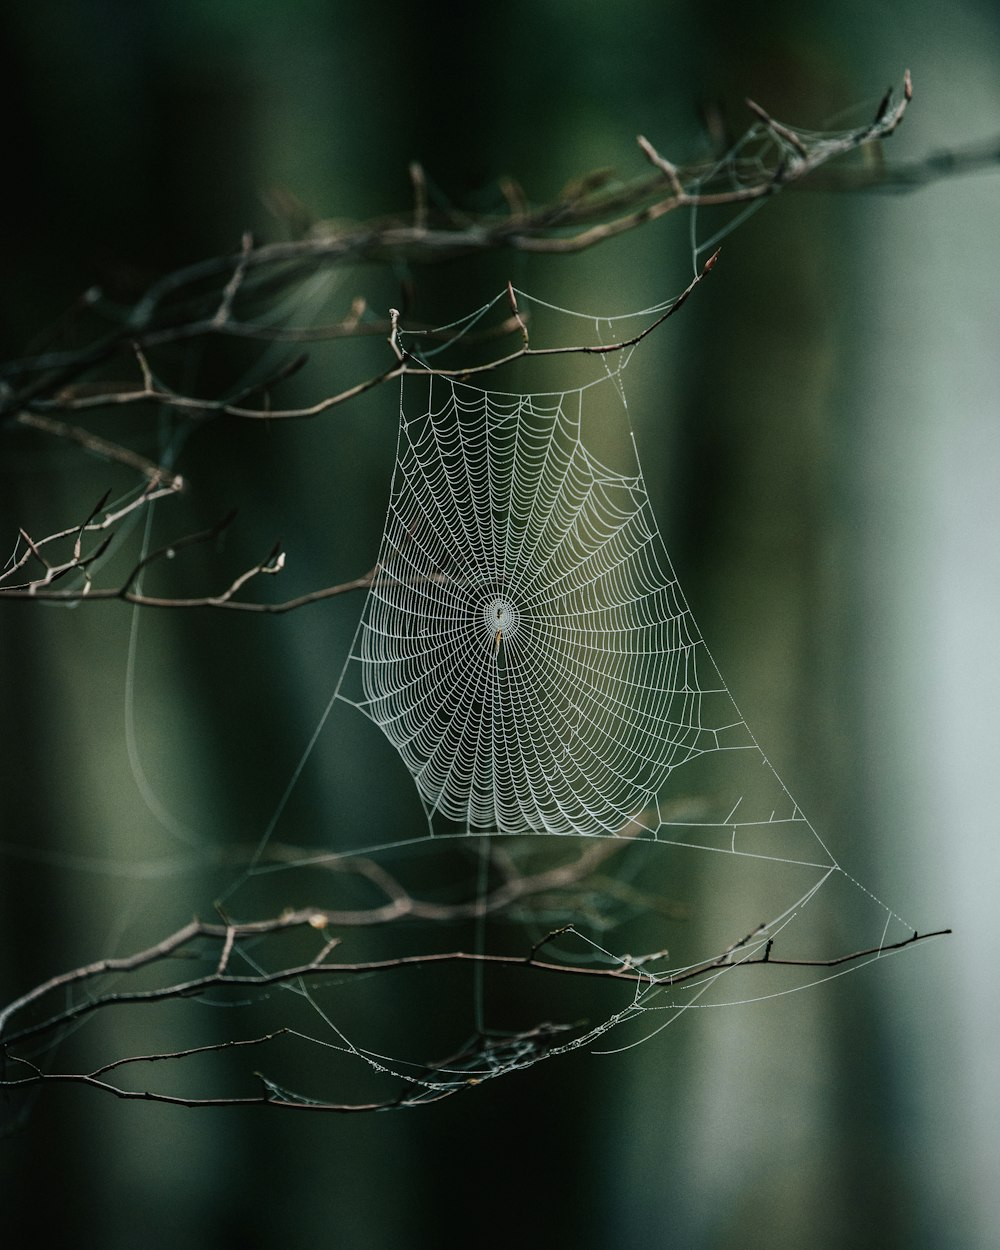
[(231, 297), (36, 393), (630, 970), (102, 447), (40, 588), (168, 311)]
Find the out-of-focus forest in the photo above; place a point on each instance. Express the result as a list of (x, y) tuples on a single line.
[(819, 433)]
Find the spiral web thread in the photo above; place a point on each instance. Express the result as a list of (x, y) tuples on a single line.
[(527, 649), (525, 645)]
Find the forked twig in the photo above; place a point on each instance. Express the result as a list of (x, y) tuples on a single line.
[(592, 211), (229, 935)]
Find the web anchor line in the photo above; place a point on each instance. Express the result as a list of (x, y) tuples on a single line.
[(527, 650)]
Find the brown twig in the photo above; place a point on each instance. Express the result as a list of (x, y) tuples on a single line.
[(584, 217), (224, 600), (405, 365), (591, 210), (99, 446), (221, 977), (439, 1080)]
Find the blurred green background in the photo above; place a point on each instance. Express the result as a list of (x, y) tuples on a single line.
[(819, 434)]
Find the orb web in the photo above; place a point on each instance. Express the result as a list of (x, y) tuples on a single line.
[(525, 645)]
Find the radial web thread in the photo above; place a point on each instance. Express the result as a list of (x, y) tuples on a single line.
[(527, 649)]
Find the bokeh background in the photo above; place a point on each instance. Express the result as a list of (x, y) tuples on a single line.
[(819, 432)]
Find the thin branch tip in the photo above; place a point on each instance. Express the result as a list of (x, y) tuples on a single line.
[(516, 312), (394, 334)]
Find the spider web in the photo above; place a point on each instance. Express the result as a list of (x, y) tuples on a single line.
[(587, 781), (526, 646), (527, 650)]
